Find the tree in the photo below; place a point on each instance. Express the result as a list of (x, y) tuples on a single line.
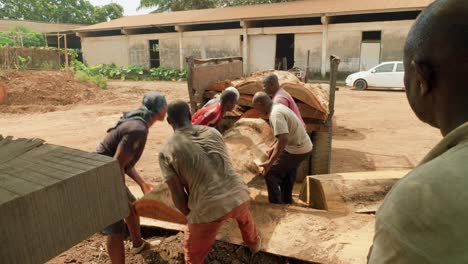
[(178, 5), (107, 12), (22, 36), (62, 11)]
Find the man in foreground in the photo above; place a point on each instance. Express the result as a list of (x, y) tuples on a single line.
[(204, 187), (272, 87), (423, 218), (125, 142), (292, 146), (212, 115)]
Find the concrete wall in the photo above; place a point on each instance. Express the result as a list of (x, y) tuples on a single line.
[(169, 53), (303, 43), (345, 44), (393, 41), (168, 44), (344, 40), (106, 50), (262, 51), (212, 44)]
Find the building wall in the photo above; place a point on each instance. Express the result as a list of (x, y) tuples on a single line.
[(308, 42), (344, 40), (393, 41), (262, 51), (106, 50), (224, 44), (169, 53)]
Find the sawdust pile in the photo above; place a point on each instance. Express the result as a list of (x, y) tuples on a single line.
[(43, 91)]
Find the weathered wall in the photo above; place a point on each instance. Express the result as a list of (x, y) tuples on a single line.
[(211, 46), (393, 41), (262, 51), (303, 43), (169, 53), (106, 50), (168, 43), (344, 40), (345, 44)]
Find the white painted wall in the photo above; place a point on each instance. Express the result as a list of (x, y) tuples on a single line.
[(106, 50), (262, 51), (304, 42)]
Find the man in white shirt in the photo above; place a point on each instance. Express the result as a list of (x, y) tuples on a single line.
[(292, 146)]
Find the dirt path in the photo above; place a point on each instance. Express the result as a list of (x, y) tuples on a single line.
[(375, 130)]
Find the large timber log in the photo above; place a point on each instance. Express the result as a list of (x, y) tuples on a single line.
[(312, 98), (349, 192)]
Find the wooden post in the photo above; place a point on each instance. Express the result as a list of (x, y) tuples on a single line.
[(58, 47), (66, 53), (306, 75), (190, 66)]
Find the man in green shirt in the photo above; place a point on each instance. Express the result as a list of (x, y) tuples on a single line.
[(424, 217)]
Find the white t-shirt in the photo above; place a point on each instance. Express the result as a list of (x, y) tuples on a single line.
[(284, 121)]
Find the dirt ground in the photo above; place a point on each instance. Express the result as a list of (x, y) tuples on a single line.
[(376, 130)]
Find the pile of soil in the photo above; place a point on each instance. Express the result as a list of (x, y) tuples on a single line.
[(43, 91)]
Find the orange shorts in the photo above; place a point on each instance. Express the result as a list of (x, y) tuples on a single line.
[(199, 238)]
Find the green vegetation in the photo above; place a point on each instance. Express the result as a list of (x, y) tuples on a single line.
[(22, 37), (178, 5), (131, 72), (59, 11)]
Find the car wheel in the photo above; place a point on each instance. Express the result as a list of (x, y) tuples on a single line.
[(360, 84)]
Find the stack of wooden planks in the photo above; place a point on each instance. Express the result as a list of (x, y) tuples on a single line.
[(53, 197), (312, 99)]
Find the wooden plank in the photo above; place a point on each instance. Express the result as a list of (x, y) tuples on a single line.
[(206, 76), (217, 60), (48, 205), (190, 84), (345, 192), (296, 232)]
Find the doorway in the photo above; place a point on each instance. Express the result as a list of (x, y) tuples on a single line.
[(155, 61), (284, 59), (370, 49)]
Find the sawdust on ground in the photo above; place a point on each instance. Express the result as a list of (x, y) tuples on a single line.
[(375, 130)]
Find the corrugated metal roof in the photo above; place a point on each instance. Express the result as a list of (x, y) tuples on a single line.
[(308, 8), (42, 27)]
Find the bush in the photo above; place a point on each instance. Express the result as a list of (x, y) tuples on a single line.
[(100, 80), (81, 76), (133, 72)]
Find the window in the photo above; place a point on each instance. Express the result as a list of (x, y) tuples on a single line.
[(385, 68), (399, 67)]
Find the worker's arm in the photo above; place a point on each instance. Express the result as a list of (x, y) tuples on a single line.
[(279, 147), (145, 187), (123, 158), (179, 196)]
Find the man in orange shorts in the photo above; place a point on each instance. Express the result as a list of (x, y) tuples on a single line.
[(203, 184)]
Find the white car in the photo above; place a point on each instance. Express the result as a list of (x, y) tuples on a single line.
[(386, 75)]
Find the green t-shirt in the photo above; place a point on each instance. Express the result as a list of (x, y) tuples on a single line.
[(424, 218)]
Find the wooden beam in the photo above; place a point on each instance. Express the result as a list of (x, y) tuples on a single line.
[(349, 192)]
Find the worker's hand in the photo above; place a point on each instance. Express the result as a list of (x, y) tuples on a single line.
[(266, 167), (269, 152), (147, 187)]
